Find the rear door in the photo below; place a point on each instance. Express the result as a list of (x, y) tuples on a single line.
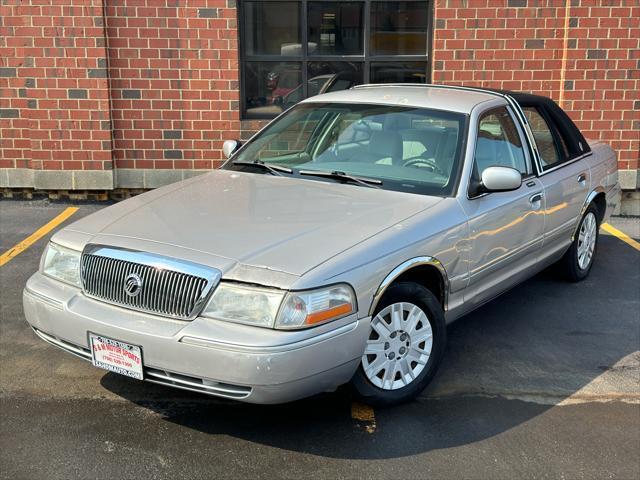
[(565, 178)]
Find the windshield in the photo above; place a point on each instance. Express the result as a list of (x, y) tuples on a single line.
[(407, 149)]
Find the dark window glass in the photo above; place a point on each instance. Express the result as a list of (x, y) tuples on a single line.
[(278, 71), (266, 84), (326, 77), (543, 137), (272, 28), (398, 28), (561, 143), (339, 75), (498, 143), (398, 72), (335, 28)]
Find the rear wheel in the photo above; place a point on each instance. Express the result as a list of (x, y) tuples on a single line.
[(579, 258), (404, 348)]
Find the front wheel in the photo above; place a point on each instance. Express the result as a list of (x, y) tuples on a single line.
[(405, 346), (579, 258)]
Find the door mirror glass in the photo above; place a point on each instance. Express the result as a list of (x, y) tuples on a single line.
[(501, 179), (229, 146)]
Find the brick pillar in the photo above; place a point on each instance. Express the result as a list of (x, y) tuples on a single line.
[(174, 87), (55, 126)]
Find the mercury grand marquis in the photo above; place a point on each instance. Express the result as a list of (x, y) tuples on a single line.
[(332, 248)]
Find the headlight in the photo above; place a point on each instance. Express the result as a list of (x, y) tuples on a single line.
[(313, 307), (62, 264), (244, 304), (278, 309)]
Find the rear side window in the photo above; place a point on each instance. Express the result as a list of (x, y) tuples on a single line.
[(498, 143), (547, 149), (552, 146)]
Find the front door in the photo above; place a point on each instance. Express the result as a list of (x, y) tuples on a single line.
[(505, 228)]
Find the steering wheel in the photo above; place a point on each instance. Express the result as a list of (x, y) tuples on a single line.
[(427, 162)]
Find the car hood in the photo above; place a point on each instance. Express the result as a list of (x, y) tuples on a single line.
[(279, 223)]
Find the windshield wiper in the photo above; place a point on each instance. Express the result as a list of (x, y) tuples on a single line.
[(345, 177), (274, 169)]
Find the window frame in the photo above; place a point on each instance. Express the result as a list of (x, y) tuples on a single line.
[(365, 58)]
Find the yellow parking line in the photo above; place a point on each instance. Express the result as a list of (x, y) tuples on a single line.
[(621, 235), (364, 414), (35, 236)]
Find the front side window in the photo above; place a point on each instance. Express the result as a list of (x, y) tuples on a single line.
[(405, 149), (292, 50), (498, 143)]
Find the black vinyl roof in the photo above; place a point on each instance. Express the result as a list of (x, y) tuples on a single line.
[(576, 143)]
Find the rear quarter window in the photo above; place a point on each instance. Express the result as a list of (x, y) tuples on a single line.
[(547, 148), (556, 136)]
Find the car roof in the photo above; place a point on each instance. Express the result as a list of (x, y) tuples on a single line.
[(439, 97)]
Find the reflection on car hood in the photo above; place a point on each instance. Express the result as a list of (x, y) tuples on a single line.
[(285, 224)]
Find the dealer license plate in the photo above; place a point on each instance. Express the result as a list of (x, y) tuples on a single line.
[(116, 356)]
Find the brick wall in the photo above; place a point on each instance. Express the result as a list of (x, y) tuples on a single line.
[(585, 54), (97, 94), (87, 86), (174, 82), (54, 97)]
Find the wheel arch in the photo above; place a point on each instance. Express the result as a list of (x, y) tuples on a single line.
[(599, 199), (426, 271)]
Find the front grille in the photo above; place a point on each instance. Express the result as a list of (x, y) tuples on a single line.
[(163, 290)]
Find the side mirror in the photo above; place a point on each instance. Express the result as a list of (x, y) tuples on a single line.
[(501, 179), (229, 146)]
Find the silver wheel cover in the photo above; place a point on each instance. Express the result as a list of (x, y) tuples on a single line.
[(587, 240), (399, 346)]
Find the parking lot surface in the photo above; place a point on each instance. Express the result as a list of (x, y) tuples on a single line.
[(541, 382)]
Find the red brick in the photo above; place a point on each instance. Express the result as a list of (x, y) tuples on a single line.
[(610, 29), (187, 71)]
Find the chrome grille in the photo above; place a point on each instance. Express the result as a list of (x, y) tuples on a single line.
[(168, 287)]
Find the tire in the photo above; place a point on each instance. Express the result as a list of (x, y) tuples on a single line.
[(413, 361), (575, 265)]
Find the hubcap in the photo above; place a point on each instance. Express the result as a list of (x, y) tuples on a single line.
[(399, 346), (587, 240)]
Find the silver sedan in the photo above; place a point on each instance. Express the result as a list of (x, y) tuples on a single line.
[(333, 247)]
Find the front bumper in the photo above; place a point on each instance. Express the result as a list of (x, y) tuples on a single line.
[(245, 363)]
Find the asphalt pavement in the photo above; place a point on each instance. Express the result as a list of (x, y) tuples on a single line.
[(543, 382)]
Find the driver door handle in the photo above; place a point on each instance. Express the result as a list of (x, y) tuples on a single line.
[(535, 199)]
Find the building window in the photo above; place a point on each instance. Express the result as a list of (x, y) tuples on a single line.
[(291, 50)]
